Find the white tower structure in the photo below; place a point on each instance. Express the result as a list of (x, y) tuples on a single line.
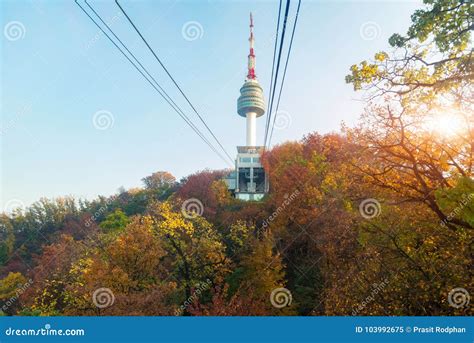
[(251, 103), (249, 181)]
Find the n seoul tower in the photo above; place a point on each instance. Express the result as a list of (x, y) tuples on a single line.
[(249, 181), (251, 103)]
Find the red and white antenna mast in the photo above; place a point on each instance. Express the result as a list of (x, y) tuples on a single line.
[(251, 74), (251, 103)]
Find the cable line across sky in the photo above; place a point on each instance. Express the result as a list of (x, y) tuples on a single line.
[(153, 81)]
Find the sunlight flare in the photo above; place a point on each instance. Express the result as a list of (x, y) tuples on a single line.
[(445, 124)]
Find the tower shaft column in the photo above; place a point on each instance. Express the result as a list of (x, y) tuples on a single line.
[(251, 129)]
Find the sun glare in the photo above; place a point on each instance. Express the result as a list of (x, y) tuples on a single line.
[(445, 124)]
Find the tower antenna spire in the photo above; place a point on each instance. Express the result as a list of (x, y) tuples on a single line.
[(251, 103), (251, 58)]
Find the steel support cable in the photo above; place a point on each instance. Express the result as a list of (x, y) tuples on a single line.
[(141, 65), (278, 61), (172, 79), (267, 119), (284, 71), (177, 109)]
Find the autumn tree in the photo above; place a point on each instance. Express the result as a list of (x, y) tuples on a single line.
[(129, 274), (44, 218), (194, 248), (51, 275), (307, 212), (203, 187), (434, 56), (7, 239), (159, 180), (262, 271), (248, 289), (11, 288), (422, 129), (414, 149)]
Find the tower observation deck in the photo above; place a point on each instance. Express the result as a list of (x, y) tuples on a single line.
[(249, 181)]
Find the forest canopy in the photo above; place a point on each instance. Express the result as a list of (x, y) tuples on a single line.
[(377, 219)]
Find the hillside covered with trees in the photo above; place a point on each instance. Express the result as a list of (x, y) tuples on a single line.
[(377, 219)]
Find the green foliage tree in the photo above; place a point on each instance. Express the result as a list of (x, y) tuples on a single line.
[(10, 287), (115, 222), (458, 201), (434, 56), (7, 239)]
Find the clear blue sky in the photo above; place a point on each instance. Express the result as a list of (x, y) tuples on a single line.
[(58, 72)]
